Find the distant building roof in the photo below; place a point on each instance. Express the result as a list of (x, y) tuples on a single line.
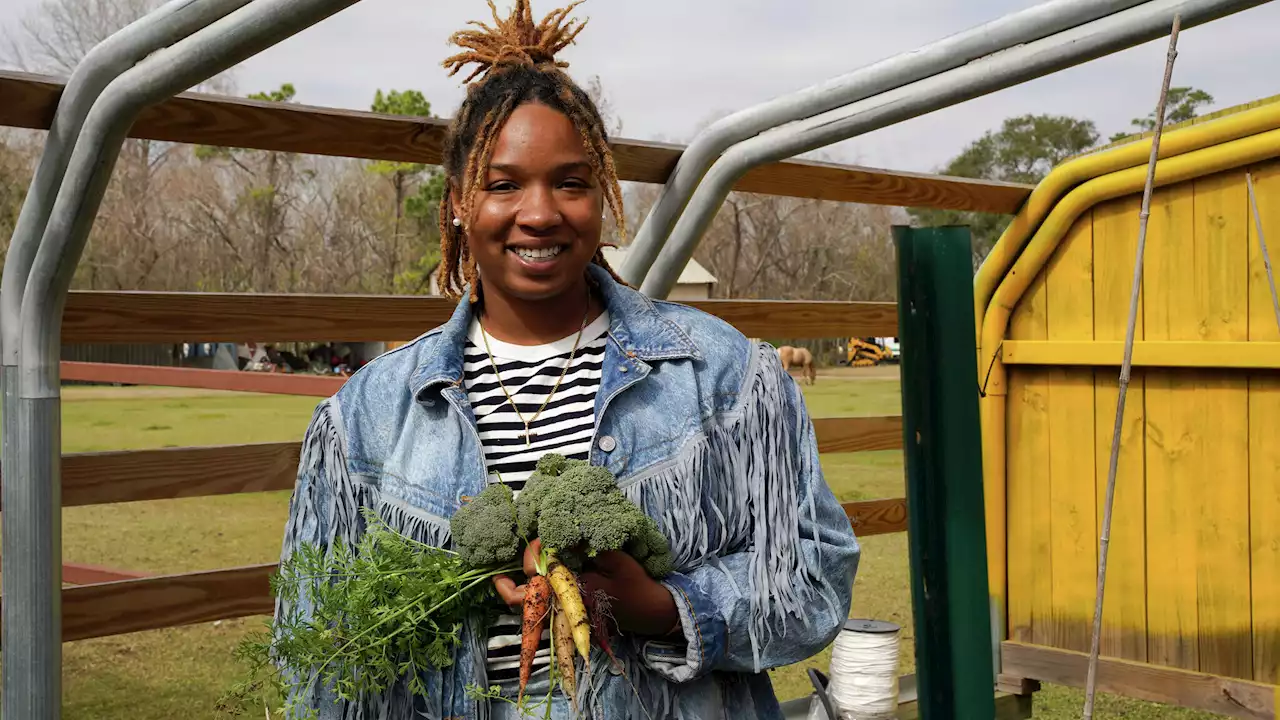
[(693, 274)]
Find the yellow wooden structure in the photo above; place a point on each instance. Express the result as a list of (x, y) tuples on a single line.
[(1194, 564)]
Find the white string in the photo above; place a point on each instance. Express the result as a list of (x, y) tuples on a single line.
[(864, 674)]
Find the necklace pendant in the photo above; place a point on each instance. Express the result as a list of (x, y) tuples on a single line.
[(528, 435)]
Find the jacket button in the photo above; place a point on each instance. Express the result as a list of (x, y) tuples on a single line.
[(607, 443)]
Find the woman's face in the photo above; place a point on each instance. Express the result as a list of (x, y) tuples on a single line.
[(538, 214)]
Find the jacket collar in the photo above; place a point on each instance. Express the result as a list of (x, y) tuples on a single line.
[(635, 324)]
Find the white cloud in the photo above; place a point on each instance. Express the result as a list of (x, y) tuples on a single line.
[(670, 65)]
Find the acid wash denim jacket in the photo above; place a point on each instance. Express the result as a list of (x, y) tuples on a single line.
[(702, 428)]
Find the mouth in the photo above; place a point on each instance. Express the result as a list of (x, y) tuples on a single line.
[(538, 257)]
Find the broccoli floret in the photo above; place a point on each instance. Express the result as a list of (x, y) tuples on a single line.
[(484, 529), (582, 512), (553, 464)]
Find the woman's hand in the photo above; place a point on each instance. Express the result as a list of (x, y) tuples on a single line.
[(638, 603)]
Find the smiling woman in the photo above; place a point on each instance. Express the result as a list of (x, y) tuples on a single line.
[(547, 352)]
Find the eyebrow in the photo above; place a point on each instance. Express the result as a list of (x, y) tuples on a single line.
[(564, 167)]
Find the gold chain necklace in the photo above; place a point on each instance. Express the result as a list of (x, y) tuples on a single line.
[(528, 434)]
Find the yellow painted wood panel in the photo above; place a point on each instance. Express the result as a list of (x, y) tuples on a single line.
[(1264, 438), (1124, 614), (1173, 479), (1072, 499), (1027, 481), (1220, 403)]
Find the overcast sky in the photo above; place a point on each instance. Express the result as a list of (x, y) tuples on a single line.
[(668, 66)]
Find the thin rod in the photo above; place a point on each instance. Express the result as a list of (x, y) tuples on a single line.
[(1091, 682), (1262, 244)]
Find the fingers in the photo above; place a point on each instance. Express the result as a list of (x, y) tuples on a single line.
[(510, 593), (531, 553)]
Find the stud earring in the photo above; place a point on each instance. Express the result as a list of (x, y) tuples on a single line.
[(457, 222)]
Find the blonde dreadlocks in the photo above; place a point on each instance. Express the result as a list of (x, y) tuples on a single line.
[(515, 63)]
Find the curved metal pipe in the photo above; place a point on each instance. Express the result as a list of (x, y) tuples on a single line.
[(227, 41), (949, 52), (28, 665), (1071, 47)]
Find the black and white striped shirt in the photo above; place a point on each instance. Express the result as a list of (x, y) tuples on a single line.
[(565, 426)]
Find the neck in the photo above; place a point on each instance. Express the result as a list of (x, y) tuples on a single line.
[(535, 322)]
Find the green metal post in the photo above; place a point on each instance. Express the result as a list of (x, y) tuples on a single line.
[(947, 535)]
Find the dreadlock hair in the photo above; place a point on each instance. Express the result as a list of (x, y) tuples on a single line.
[(516, 64)]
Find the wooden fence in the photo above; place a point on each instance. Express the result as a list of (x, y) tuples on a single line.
[(130, 604)]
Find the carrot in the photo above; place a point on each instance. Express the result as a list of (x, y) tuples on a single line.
[(566, 587), (537, 603), (564, 654)]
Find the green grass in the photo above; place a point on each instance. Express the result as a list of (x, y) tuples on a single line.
[(179, 672)]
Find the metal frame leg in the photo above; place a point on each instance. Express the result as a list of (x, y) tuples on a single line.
[(35, 452), (31, 678)]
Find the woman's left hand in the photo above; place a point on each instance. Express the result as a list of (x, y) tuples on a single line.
[(639, 604)]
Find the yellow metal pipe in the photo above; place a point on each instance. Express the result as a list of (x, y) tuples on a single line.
[(1236, 153), (1077, 170)]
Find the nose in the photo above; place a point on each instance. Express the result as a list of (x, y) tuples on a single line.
[(538, 210)]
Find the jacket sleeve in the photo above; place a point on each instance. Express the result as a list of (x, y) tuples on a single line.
[(782, 592)]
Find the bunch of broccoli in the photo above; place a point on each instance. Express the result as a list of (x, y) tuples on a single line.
[(575, 508)]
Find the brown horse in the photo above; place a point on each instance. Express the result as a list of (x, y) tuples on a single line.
[(801, 358)]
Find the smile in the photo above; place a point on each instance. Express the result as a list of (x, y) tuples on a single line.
[(537, 254)]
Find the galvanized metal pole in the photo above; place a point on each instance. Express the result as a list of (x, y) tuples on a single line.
[(954, 672), (949, 52), (1126, 364), (29, 661), (231, 39), (1065, 49)]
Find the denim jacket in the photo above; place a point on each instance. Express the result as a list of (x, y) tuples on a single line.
[(703, 429)]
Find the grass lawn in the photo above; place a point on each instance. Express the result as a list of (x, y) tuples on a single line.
[(179, 672)]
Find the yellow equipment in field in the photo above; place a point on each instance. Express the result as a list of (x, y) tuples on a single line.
[(860, 353)]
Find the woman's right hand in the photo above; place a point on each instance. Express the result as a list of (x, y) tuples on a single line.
[(511, 593)]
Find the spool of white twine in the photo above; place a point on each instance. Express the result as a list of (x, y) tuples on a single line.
[(864, 670)]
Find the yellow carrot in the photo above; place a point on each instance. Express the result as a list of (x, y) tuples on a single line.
[(561, 636), (566, 589)]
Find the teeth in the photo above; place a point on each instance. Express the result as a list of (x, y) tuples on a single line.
[(538, 253)]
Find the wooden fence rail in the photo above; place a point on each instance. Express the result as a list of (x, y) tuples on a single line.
[(151, 603), (177, 317), (102, 478), (30, 101)]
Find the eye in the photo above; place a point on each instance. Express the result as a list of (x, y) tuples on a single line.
[(576, 184), (500, 186)]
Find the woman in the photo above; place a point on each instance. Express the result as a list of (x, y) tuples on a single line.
[(548, 350)]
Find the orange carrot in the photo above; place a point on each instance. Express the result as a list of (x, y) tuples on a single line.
[(537, 603)]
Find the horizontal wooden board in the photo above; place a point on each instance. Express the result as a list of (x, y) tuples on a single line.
[(126, 606), (1185, 688), (113, 608), (877, 517), (128, 476), (229, 380), (858, 434), (1146, 353), (172, 317), (80, 574), (30, 101), (131, 475)]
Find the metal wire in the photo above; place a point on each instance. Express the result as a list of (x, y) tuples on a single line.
[(1091, 681)]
